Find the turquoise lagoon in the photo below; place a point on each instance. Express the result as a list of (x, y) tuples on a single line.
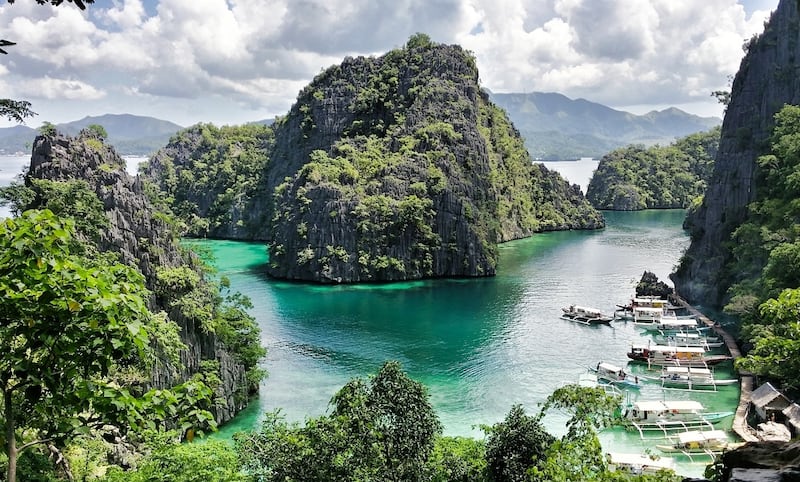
[(479, 345)]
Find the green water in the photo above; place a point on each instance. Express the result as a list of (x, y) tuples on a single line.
[(479, 345)]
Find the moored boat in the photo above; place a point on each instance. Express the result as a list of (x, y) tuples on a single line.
[(584, 315), (694, 442), (692, 378), (671, 416), (683, 338), (636, 464), (615, 375), (665, 355)]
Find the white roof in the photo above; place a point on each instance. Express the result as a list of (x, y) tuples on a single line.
[(678, 322), (687, 370), (702, 436), (609, 367), (660, 406), (641, 460), (672, 349), (648, 309)]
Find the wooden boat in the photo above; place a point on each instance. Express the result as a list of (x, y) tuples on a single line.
[(692, 378), (637, 464), (684, 338), (615, 375), (670, 416), (694, 442), (584, 315), (671, 325), (665, 355), (645, 309)]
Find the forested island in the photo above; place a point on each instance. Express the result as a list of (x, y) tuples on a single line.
[(389, 168), (658, 177)]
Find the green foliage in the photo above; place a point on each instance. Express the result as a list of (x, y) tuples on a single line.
[(205, 461), (776, 341), (515, 445), (95, 130), (16, 110), (419, 41), (458, 459), (48, 129), (634, 177), (73, 199), (208, 174), (64, 320), (382, 429)]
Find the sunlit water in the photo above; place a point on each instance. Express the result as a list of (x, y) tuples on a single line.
[(479, 345)]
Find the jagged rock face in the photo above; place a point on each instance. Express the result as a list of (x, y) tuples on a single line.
[(199, 168), (767, 79), (399, 167), (142, 241), (762, 461)]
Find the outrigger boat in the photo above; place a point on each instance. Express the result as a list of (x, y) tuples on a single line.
[(672, 325), (615, 375), (697, 442), (687, 339), (671, 416), (587, 316), (665, 355), (636, 464), (691, 378)]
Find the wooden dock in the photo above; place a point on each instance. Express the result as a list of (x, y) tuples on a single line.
[(740, 425)]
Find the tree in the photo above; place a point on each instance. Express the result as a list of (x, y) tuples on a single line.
[(384, 429), (515, 445), (65, 322)]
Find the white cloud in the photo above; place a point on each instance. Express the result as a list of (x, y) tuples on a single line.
[(251, 57)]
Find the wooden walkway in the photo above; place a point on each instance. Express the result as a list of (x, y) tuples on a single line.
[(740, 425)]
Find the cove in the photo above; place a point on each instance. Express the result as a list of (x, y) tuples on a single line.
[(479, 345)]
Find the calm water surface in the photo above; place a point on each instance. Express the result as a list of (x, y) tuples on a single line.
[(479, 345)]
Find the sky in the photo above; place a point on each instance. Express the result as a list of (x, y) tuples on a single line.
[(236, 61)]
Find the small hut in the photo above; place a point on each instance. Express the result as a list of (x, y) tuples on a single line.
[(792, 414), (769, 403)]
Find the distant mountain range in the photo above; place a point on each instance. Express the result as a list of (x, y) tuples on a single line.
[(557, 127), (553, 126), (129, 134)]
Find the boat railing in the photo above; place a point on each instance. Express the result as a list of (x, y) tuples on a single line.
[(667, 427)]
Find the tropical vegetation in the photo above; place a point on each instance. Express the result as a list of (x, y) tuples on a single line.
[(675, 176)]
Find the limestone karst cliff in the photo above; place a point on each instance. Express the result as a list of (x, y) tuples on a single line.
[(141, 238), (767, 79), (395, 167)]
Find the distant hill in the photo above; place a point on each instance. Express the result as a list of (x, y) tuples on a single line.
[(129, 134), (557, 127)]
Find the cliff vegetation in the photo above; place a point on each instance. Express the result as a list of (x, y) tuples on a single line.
[(659, 177), (389, 168)]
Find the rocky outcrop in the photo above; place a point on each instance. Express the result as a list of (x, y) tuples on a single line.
[(762, 461), (399, 167), (143, 240), (767, 79)]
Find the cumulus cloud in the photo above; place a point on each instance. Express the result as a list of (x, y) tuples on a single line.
[(255, 55)]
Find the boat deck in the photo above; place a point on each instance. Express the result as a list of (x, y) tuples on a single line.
[(740, 425)]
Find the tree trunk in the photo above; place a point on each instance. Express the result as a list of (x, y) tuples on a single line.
[(11, 439)]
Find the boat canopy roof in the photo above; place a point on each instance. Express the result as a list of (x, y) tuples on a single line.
[(660, 406), (672, 349), (587, 309), (648, 309), (608, 367), (677, 322), (701, 436), (640, 460), (687, 370), (652, 301)]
